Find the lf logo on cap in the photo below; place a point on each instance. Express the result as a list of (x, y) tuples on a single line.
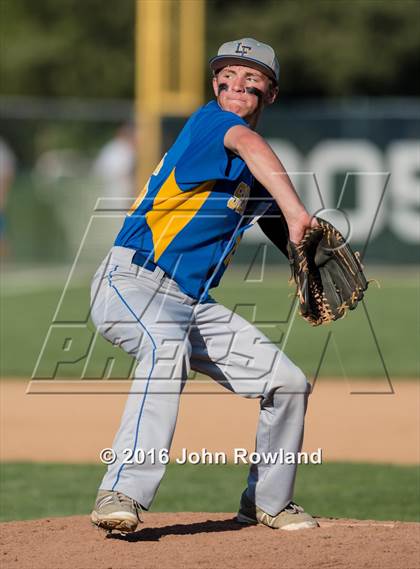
[(242, 49)]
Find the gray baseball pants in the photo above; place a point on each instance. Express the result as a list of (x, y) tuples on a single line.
[(169, 333)]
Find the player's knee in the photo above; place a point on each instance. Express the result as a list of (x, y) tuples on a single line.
[(296, 382), (291, 381)]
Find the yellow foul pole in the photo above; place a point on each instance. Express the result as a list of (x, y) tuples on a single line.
[(169, 44)]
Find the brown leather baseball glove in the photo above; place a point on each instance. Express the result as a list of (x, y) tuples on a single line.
[(328, 275)]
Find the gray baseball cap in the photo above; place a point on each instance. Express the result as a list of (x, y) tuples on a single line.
[(250, 52)]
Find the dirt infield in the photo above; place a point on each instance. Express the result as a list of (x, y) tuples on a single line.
[(357, 421), (208, 540), (367, 426)]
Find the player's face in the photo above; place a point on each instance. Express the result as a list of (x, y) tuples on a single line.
[(243, 90)]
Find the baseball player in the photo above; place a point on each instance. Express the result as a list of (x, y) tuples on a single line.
[(151, 295)]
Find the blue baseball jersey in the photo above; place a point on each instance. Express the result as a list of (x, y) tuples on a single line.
[(191, 215)]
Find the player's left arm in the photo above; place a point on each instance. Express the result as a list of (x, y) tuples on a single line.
[(271, 222), (276, 230)]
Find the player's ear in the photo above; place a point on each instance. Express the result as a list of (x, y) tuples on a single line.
[(272, 94), (215, 86)]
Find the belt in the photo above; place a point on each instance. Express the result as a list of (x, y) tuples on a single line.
[(142, 261)]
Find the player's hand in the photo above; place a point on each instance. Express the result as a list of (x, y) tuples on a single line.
[(297, 227)]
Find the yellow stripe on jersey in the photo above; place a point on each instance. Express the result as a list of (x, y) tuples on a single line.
[(143, 192), (139, 198), (172, 210)]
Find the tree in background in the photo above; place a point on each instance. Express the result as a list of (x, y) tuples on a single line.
[(326, 48), (330, 47), (72, 48)]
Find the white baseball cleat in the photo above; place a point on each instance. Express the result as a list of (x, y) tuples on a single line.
[(292, 517), (116, 511)]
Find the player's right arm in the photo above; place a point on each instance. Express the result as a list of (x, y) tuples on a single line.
[(270, 172)]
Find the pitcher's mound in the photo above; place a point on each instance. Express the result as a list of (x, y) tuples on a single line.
[(208, 540)]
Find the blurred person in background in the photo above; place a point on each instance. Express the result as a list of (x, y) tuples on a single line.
[(7, 175), (115, 167)]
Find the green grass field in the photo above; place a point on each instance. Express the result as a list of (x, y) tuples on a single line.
[(361, 491), (358, 346)]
